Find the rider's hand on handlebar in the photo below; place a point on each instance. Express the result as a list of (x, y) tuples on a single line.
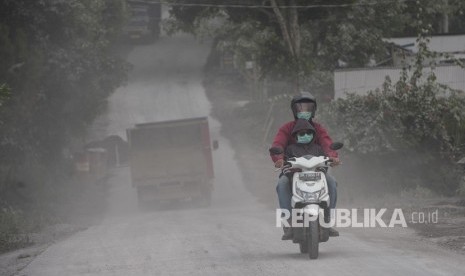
[(279, 164), (334, 161), (287, 169)]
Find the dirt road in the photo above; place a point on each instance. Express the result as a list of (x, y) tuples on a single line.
[(236, 235)]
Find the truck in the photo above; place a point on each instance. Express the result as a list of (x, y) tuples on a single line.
[(144, 22), (172, 161)]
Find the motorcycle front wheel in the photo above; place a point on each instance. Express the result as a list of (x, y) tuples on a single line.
[(313, 239)]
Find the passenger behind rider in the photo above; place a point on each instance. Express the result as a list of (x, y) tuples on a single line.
[(304, 134)]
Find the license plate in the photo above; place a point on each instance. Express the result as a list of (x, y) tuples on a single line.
[(309, 176)]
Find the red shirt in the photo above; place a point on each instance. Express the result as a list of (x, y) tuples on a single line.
[(284, 138)]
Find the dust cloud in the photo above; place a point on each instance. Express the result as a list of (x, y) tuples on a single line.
[(164, 85)]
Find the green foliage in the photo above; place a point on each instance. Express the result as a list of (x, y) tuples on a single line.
[(461, 190), (12, 230), (351, 33), (327, 33), (5, 93), (413, 129), (424, 12), (409, 130), (57, 60), (398, 118), (415, 121)]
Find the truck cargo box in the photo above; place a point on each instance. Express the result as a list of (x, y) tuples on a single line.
[(171, 159)]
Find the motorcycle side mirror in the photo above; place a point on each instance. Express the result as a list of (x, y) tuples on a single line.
[(336, 146), (276, 151)]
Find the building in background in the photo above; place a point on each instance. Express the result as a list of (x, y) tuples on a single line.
[(402, 52)]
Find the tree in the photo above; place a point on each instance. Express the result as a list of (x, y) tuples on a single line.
[(444, 16), (4, 93), (293, 38), (416, 121), (56, 60)]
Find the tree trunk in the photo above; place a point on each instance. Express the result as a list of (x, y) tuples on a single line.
[(288, 21)]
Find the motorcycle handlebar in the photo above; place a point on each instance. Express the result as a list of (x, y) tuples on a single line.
[(327, 163)]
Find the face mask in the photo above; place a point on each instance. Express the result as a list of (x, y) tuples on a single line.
[(304, 115), (304, 139)]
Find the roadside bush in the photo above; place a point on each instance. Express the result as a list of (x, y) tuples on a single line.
[(57, 71), (461, 190), (12, 229), (58, 68), (412, 131)]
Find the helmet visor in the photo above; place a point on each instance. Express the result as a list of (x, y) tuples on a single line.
[(305, 107)]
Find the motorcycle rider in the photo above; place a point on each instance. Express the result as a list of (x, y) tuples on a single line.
[(304, 107)]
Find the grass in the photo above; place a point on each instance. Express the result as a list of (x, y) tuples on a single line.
[(14, 228)]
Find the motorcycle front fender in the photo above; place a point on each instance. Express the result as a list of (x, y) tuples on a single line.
[(312, 210)]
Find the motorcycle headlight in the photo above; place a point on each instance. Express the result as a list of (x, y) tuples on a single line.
[(308, 196)]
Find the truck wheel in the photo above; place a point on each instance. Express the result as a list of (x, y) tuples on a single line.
[(203, 200), (143, 204), (313, 238), (303, 247), (140, 200), (207, 198)]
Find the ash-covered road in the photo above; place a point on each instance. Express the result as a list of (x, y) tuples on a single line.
[(236, 235)]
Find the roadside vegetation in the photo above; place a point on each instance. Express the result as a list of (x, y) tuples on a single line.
[(412, 131), (408, 136), (57, 70)]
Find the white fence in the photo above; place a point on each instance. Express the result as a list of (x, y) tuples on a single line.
[(361, 80)]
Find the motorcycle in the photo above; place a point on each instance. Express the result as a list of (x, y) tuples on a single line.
[(310, 199)]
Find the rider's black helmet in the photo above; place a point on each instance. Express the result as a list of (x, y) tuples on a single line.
[(302, 97)]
